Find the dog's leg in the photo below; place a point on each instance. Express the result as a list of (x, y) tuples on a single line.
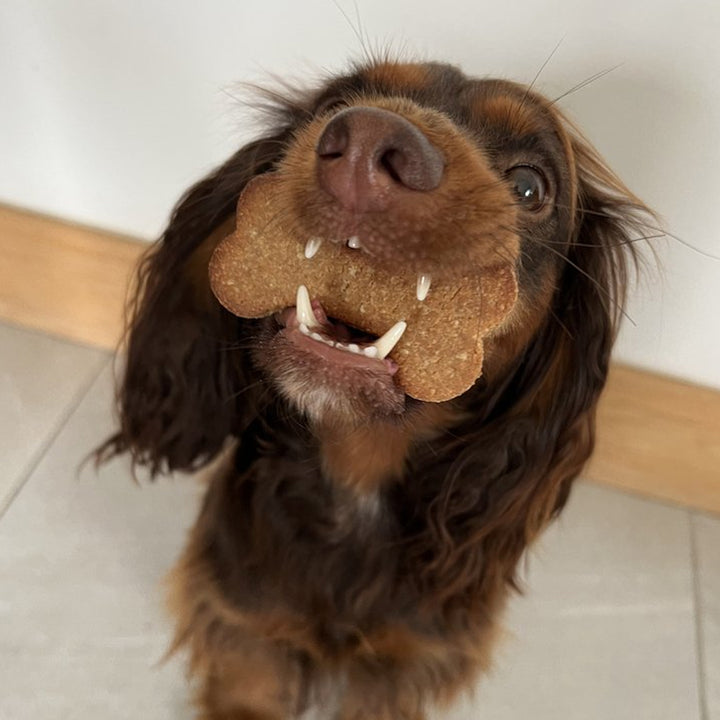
[(255, 681), (381, 696)]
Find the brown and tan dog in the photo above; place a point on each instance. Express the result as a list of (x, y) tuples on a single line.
[(356, 550)]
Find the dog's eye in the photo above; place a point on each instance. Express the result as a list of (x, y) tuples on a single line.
[(529, 186)]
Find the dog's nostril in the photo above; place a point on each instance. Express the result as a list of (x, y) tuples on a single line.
[(334, 141), (392, 162)]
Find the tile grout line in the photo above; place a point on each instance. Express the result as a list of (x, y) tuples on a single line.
[(697, 603), (39, 454), (58, 336)]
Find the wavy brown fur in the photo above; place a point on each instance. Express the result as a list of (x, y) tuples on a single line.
[(361, 565)]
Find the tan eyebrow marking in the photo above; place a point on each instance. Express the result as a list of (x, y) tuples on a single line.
[(399, 76), (509, 113)]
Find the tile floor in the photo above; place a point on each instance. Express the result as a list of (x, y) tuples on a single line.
[(621, 620)]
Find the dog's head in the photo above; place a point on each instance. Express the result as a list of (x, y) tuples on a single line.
[(423, 173)]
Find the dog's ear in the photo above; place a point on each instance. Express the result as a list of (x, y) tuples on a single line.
[(529, 434), (182, 393), (567, 366)]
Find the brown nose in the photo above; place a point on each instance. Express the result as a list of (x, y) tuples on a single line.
[(367, 156)]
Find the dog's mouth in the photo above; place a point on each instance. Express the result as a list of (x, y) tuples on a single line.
[(361, 312), (328, 367), (308, 326)]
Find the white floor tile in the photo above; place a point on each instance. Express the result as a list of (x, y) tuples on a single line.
[(81, 563), (606, 630), (707, 533), (40, 379)]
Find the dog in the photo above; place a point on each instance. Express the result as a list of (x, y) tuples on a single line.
[(356, 546)]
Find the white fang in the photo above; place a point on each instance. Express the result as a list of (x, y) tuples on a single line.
[(303, 308), (423, 286), (390, 339), (312, 246)]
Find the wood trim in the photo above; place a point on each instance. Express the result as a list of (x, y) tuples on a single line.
[(64, 279), (656, 436), (660, 437)]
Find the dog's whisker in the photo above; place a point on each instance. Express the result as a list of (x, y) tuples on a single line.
[(244, 390), (539, 72), (607, 294), (357, 29), (585, 83), (661, 232), (623, 243), (562, 325)]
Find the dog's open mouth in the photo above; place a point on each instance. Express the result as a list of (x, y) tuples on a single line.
[(324, 364), (309, 327)]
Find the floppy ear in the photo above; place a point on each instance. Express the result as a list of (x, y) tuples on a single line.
[(178, 400), (511, 466), (567, 365)]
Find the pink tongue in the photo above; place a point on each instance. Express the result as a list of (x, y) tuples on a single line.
[(340, 336), (332, 328), (319, 311)]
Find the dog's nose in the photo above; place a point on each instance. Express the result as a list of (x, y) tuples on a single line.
[(366, 156)]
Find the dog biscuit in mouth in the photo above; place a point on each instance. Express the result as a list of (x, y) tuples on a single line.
[(432, 328)]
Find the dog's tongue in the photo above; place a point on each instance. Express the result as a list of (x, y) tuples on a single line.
[(256, 272)]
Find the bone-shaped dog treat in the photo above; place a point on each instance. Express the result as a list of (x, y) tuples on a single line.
[(256, 271)]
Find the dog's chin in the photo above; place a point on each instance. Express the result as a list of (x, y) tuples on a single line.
[(327, 384)]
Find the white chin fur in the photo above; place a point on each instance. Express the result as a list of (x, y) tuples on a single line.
[(316, 402)]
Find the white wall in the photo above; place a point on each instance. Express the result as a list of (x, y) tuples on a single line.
[(109, 109)]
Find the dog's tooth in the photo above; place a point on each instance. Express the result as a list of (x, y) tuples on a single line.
[(370, 351), (304, 329), (389, 340), (354, 242), (303, 309), (317, 336), (352, 347), (312, 246), (423, 286)]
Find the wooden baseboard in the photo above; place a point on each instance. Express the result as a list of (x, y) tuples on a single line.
[(661, 437), (64, 279), (656, 436)]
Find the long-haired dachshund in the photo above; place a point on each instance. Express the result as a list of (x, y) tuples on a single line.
[(356, 546)]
